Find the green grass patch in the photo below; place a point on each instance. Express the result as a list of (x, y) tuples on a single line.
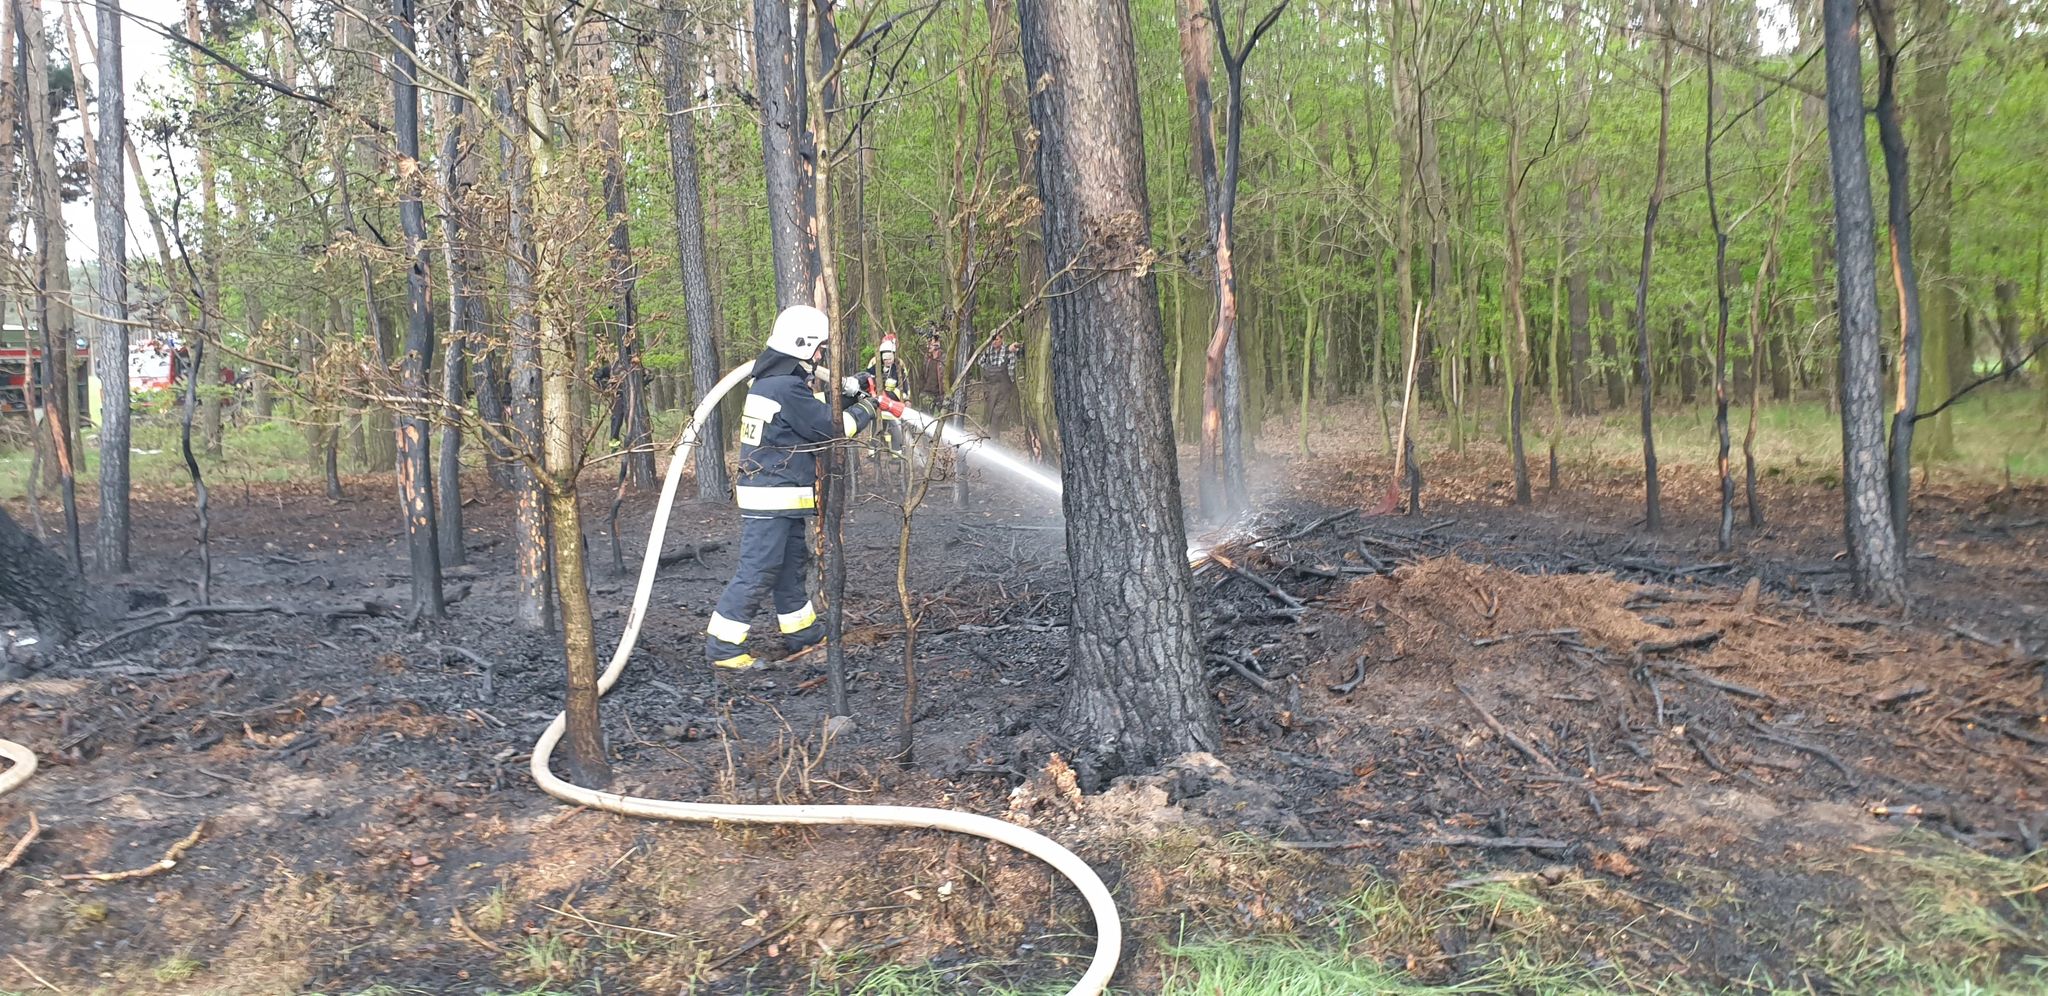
[(1997, 431), (1935, 917)]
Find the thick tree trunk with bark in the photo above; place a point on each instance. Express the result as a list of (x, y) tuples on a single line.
[(700, 310), (459, 170), (1875, 559), (782, 119), (37, 581), (535, 606), (1137, 695), (110, 352), (415, 452)]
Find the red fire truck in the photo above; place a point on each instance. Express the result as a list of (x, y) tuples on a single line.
[(21, 369)]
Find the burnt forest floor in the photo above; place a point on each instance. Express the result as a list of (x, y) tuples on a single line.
[(1491, 749)]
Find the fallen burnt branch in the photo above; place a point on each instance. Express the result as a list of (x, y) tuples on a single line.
[(1692, 737), (490, 672), (1519, 744), (163, 864), (1684, 673), (694, 551), (182, 613), (1496, 843), (1269, 587), (1357, 677), (1764, 733), (1694, 642), (1263, 684), (1317, 524), (1531, 634)]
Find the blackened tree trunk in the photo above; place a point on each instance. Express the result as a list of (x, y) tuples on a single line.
[(1946, 357), (1899, 204), (700, 310), (1724, 537), (1875, 560), (40, 583), (465, 307), (1653, 513), (110, 353), (782, 111), (1137, 694), (1222, 387), (415, 455), (1196, 27)]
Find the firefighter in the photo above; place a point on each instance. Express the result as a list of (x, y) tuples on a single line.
[(889, 381), (782, 428)]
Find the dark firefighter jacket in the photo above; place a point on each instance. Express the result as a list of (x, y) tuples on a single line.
[(781, 431)]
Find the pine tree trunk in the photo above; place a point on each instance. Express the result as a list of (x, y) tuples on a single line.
[(700, 309), (1878, 568), (1137, 695), (782, 110), (534, 609), (415, 452), (110, 352), (459, 171)]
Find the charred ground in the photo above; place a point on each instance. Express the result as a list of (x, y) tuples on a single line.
[(1515, 749)]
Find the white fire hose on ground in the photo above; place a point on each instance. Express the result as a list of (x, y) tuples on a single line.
[(24, 765), (1109, 929)]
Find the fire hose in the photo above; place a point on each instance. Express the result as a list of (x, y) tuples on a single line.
[(1109, 929), (24, 765)]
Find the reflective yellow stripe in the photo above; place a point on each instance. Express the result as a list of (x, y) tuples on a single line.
[(726, 630), (785, 498), (762, 408), (740, 663), (852, 427), (798, 621)]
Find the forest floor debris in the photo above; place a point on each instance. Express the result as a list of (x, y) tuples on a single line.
[(1496, 748)]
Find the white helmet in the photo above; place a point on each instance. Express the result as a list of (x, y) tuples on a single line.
[(799, 331)]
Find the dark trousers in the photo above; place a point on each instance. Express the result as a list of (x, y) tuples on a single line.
[(775, 556)]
